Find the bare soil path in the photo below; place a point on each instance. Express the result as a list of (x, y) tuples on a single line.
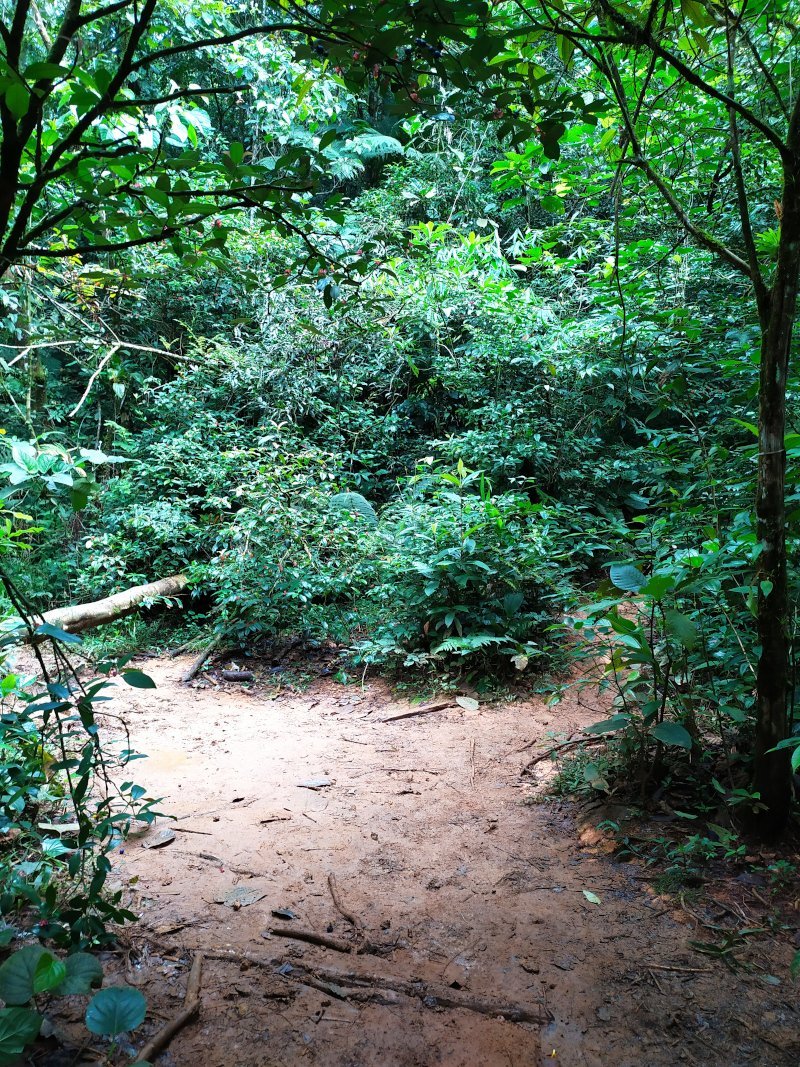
[(441, 855)]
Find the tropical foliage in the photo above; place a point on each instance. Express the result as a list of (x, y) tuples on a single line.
[(459, 335)]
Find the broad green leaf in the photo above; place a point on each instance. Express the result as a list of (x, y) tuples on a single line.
[(658, 585), (357, 503), (609, 726), (565, 49), (627, 577), (82, 973), (672, 733), (17, 974), (49, 973), (592, 897), (17, 97), (116, 1010), (682, 628), (553, 204), (236, 152), (139, 680), (46, 630), (18, 1028), (467, 703)]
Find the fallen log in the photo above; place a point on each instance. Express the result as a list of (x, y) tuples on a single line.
[(81, 617)]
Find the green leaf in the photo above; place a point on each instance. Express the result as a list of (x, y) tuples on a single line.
[(7, 935), (467, 703), (45, 70), (682, 628), (609, 726), (592, 897), (82, 972), (18, 1028), (766, 587), (658, 585), (672, 733), (565, 49), (46, 630), (17, 97), (627, 577), (116, 1010), (794, 968), (236, 152), (17, 974), (357, 503), (49, 973), (139, 680)]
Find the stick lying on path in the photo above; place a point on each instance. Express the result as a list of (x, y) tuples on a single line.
[(191, 1006), (337, 901), (377, 988), (421, 711), (572, 743), (336, 944), (197, 663)]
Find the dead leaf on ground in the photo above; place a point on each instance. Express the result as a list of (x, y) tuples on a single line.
[(163, 837), (239, 897)]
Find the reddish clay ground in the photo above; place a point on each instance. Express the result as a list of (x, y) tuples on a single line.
[(446, 857)]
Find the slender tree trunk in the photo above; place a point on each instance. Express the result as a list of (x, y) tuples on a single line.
[(772, 773)]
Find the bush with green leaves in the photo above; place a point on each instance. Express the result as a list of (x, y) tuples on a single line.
[(64, 803), (32, 976), (463, 576), (661, 629)]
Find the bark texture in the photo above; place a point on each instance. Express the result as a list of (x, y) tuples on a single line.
[(772, 773), (81, 617)]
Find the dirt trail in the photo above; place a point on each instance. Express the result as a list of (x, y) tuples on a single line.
[(438, 848)]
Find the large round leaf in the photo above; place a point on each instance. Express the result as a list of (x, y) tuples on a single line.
[(682, 628), (82, 972), (18, 1027), (357, 503), (49, 973), (115, 1010), (18, 972), (672, 733), (627, 577)]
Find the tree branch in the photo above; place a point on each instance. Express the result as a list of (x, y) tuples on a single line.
[(231, 38), (759, 287), (179, 94), (642, 35), (103, 12), (703, 238)]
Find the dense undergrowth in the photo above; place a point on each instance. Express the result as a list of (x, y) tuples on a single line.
[(492, 419)]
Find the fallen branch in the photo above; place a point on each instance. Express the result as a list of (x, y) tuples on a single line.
[(337, 903), (311, 937), (572, 743), (237, 676), (86, 616), (198, 662), (363, 948), (370, 987), (191, 1006), (420, 711)]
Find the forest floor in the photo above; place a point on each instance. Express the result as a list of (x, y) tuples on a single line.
[(452, 869)]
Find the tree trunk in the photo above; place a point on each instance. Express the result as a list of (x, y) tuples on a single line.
[(772, 771), (85, 616)]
